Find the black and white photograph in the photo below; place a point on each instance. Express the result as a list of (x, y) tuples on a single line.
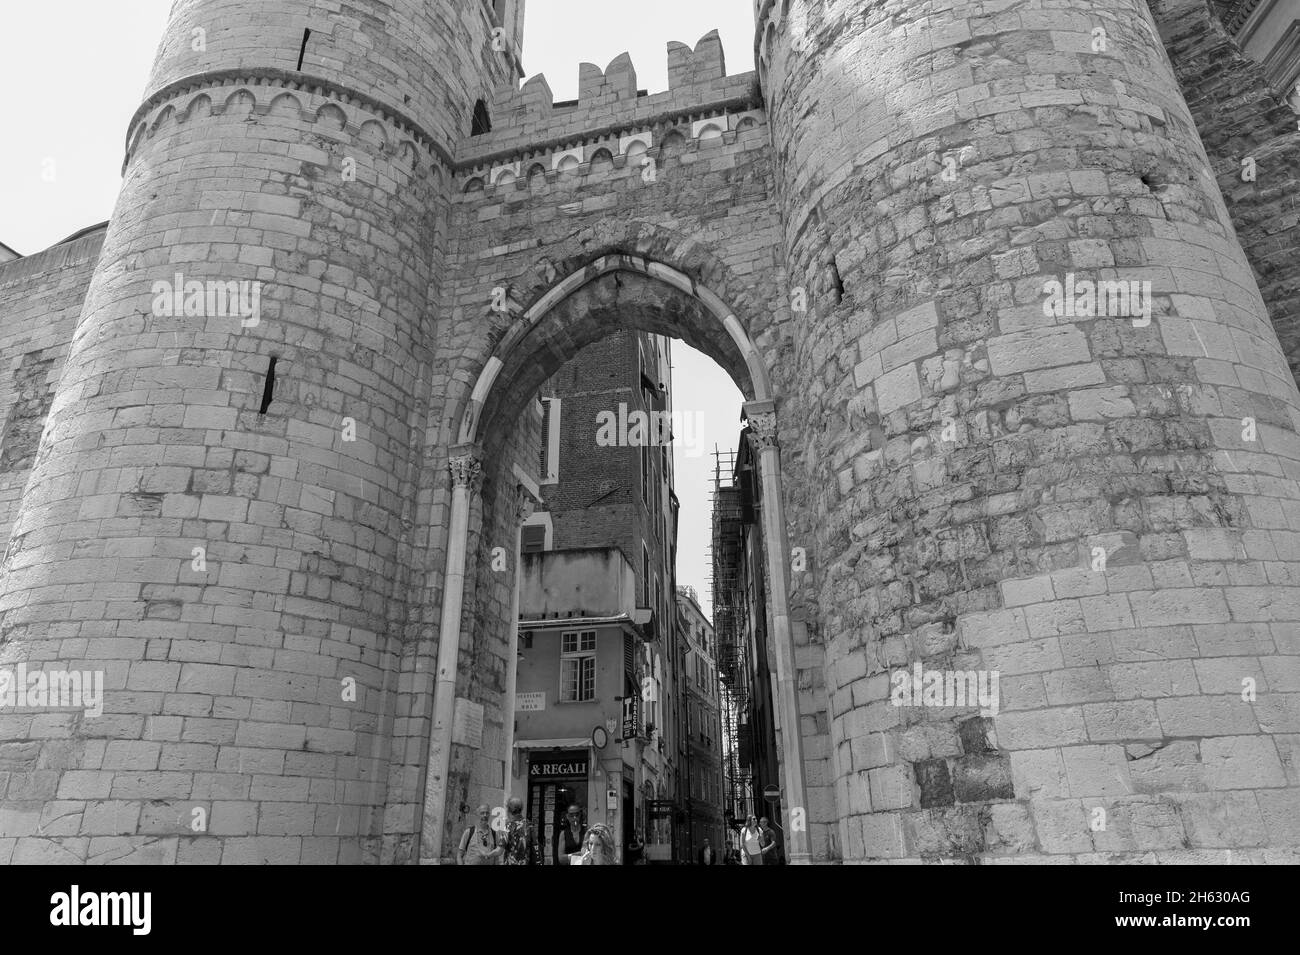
[(651, 433)]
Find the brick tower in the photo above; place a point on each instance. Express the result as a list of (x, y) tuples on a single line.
[(219, 506), (1098, 504)]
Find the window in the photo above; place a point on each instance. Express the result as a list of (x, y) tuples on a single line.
[(656, 496), (645, 476), (538, 533), (578, 666), (534, 538), (482, 123), (645, 576), (549, 464)]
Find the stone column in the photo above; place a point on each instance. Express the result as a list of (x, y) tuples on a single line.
[(794, 797), (523, 510), (466, 474)]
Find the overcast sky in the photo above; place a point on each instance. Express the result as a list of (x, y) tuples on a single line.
[(75, 71)]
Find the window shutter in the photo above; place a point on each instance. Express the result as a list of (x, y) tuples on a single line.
[(534, 538), (546, 439)]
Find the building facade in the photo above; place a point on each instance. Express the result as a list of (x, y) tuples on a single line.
[(1268, 31), (584, 735), (702, 788), (605, 472), (263, 435), (745, 653)]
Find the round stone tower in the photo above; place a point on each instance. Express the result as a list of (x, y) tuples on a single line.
[(216, 520), (1057, 446)]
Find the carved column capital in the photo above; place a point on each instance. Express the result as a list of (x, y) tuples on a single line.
[(524, 504), (762, 430), (466, 471)]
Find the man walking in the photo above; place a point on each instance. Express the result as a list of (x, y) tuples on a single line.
[(771, 848), (479, 845), (706, 854)]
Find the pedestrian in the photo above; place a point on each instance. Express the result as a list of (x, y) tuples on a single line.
[(599, 849), (479, 844), (770, 844), (521, 843), (751, 843), (706, 854), (635, 849), (569, 836)]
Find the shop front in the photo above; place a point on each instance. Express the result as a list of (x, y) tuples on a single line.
[(558, 783)]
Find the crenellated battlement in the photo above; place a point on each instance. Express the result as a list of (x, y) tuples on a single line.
[(612, 155), (528, 119)]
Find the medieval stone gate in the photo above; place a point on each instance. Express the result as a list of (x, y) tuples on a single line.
[(1097, 503)]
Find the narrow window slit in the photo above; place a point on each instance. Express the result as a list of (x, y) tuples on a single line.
[(481, 122), (836, 283), (268, 389), (306, 35)]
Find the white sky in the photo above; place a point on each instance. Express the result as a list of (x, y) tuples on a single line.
[(75, 71)]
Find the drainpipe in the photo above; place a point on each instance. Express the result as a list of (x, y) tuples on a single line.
[(762, 423), (466, 472)]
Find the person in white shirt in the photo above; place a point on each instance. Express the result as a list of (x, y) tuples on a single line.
[(751, 843)]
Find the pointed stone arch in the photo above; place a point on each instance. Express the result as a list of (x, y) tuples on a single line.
[(583, 306), (527, 338)]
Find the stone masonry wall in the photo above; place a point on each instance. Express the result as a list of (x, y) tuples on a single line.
[(225, 678), (40, 299), (1240, 118), (427, 61), (225, 683), (1102, 510), (528, 219)]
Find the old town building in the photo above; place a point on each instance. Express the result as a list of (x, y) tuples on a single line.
[(702, 791), (597, 631)]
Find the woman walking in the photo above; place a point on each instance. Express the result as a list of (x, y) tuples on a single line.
[(751, 843)]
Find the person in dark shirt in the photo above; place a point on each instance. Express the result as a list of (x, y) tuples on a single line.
[(521, 844), (771, 848), (635, 849), (706, 854), (570, 837)]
